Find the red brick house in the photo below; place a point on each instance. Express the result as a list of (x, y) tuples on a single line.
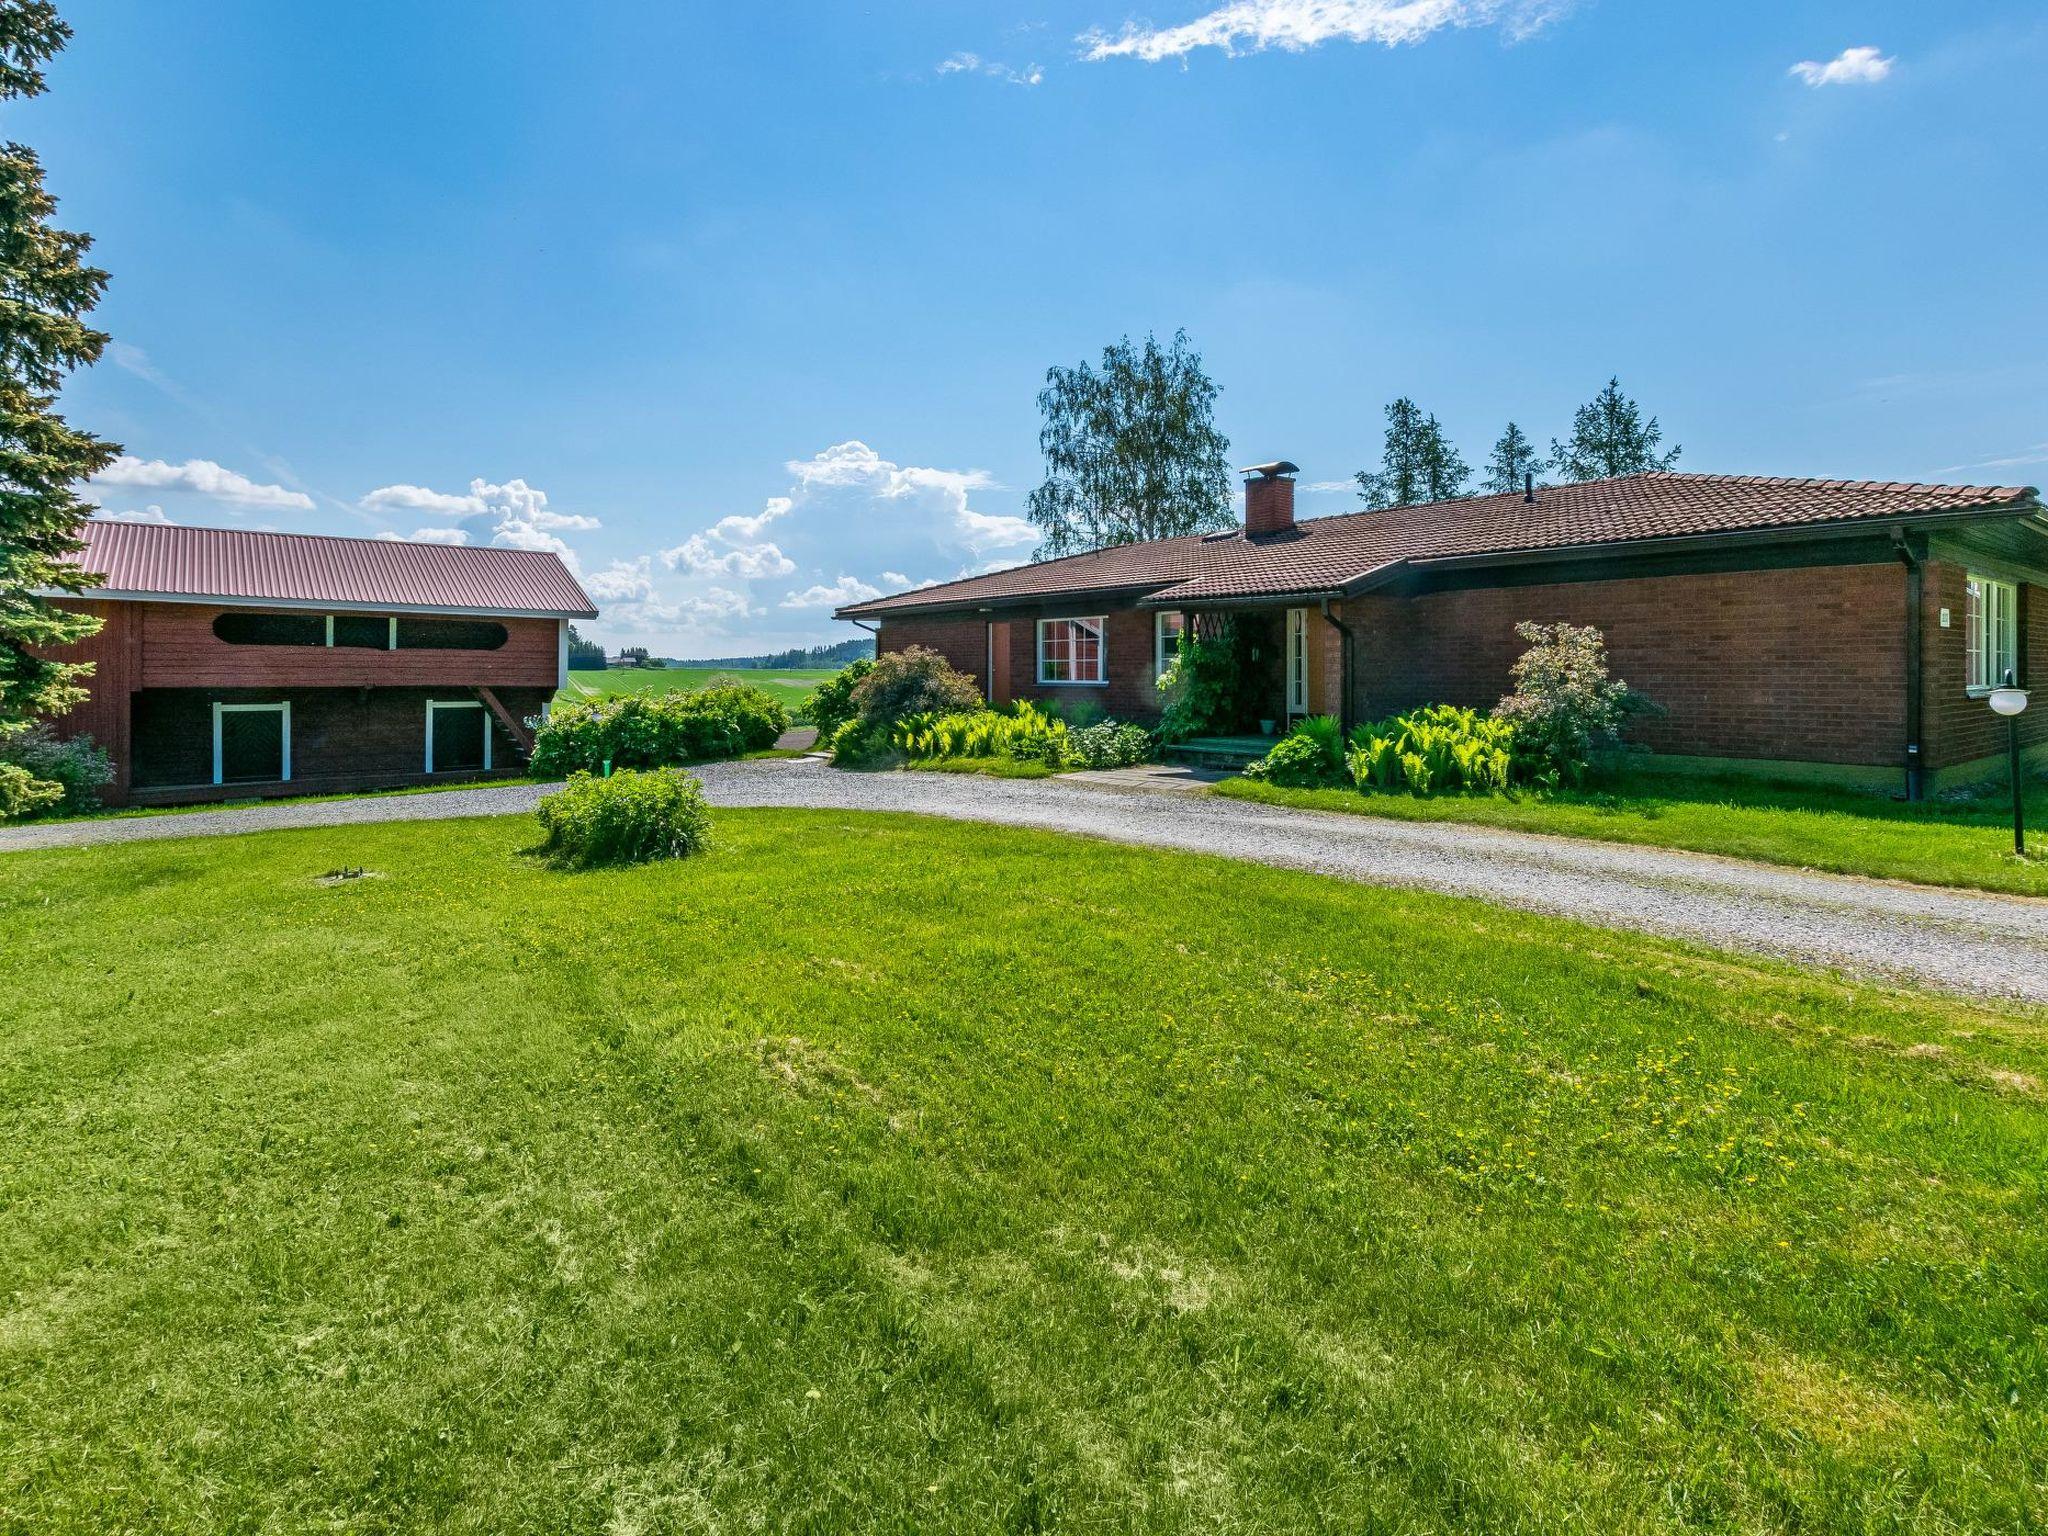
[(1835, 628), (233, 664)]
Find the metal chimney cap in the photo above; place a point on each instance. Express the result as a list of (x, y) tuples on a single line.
[(1271, 471)]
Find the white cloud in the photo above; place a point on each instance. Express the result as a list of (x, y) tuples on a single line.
[(700, 557), (1852, 66), (1253, 26), (417, 498), (847, 589), (903, 583), (514, 515), (202, 477), (713, 611), (855, 464), (426, 536), (975, 64), (149, 514), (622, 581), (745, 530)]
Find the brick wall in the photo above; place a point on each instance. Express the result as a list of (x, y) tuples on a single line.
[(341, 737), (1955, 726), (1804, 664), (1128, 635)]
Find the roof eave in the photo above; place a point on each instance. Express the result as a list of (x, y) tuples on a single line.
[(887, 608), (311, 605), (1724, 538)]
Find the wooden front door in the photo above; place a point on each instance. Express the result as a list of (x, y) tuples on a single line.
[(999, 662)]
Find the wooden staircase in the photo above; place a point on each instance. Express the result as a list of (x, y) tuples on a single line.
[(510, 724)]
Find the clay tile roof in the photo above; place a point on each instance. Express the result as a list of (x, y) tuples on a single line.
[(1325, 554), (293, 569)]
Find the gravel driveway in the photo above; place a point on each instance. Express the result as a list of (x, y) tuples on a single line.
[(1955, 940)]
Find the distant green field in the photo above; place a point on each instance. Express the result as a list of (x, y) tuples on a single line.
[(790, 685)]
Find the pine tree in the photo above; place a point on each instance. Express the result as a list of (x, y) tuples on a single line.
[(1417, 464), (1610, 437), (1513, 460), (48, 289), (1131, 451)]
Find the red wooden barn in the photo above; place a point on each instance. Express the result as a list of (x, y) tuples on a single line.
[(234, 663)]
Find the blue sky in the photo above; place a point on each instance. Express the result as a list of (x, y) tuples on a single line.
[(746, 307)]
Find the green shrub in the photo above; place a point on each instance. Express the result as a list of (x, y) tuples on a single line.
[(910, 682), (1025, 732), (79, 768), (1437, 748), (1079, 714), (1565, 704), (1311, 756), (831, 703), (1203, 690), (22, 794), (629, 818), (655, 730), (1109, 745), (857, 744)]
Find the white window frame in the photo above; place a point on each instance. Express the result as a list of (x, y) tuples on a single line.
[(1101, 623), (283, 708), (1163, 656), (1297, 661), (1991, 626), (391, 638), (434, 704)]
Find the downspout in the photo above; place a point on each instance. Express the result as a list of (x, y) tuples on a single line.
[(1344, 666), (1915, 577)]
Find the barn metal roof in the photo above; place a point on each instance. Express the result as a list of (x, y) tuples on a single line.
[(175, 563)]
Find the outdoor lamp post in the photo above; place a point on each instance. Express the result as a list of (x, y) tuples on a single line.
[(2009, 701)]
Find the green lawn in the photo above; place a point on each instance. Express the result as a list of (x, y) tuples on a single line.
[(882, 1174), (792, 686), (1936, 842)]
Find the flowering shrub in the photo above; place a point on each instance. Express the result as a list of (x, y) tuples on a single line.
[(629, 818), (1109, 745), (1436, 748), (653, 730), (76, 770), (1565, 705)]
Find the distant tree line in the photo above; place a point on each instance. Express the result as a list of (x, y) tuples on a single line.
[(796, 660), (1418, 463)]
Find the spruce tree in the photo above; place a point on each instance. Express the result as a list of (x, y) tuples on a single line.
[(1131, 450), (1610, 437), (1417, 463), (1513, 460), (43, 336)]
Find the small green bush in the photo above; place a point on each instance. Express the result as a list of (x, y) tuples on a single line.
[(857, 744), (1311, 756), (831, 703), (1204, 688), (656, 730), (1437, 748), (1109, 745), (629, 818), (79, 768)]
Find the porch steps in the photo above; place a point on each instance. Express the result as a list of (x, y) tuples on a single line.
[(1231, 752)]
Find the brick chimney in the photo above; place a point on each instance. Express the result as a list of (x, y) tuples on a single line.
[(1269, 498)]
